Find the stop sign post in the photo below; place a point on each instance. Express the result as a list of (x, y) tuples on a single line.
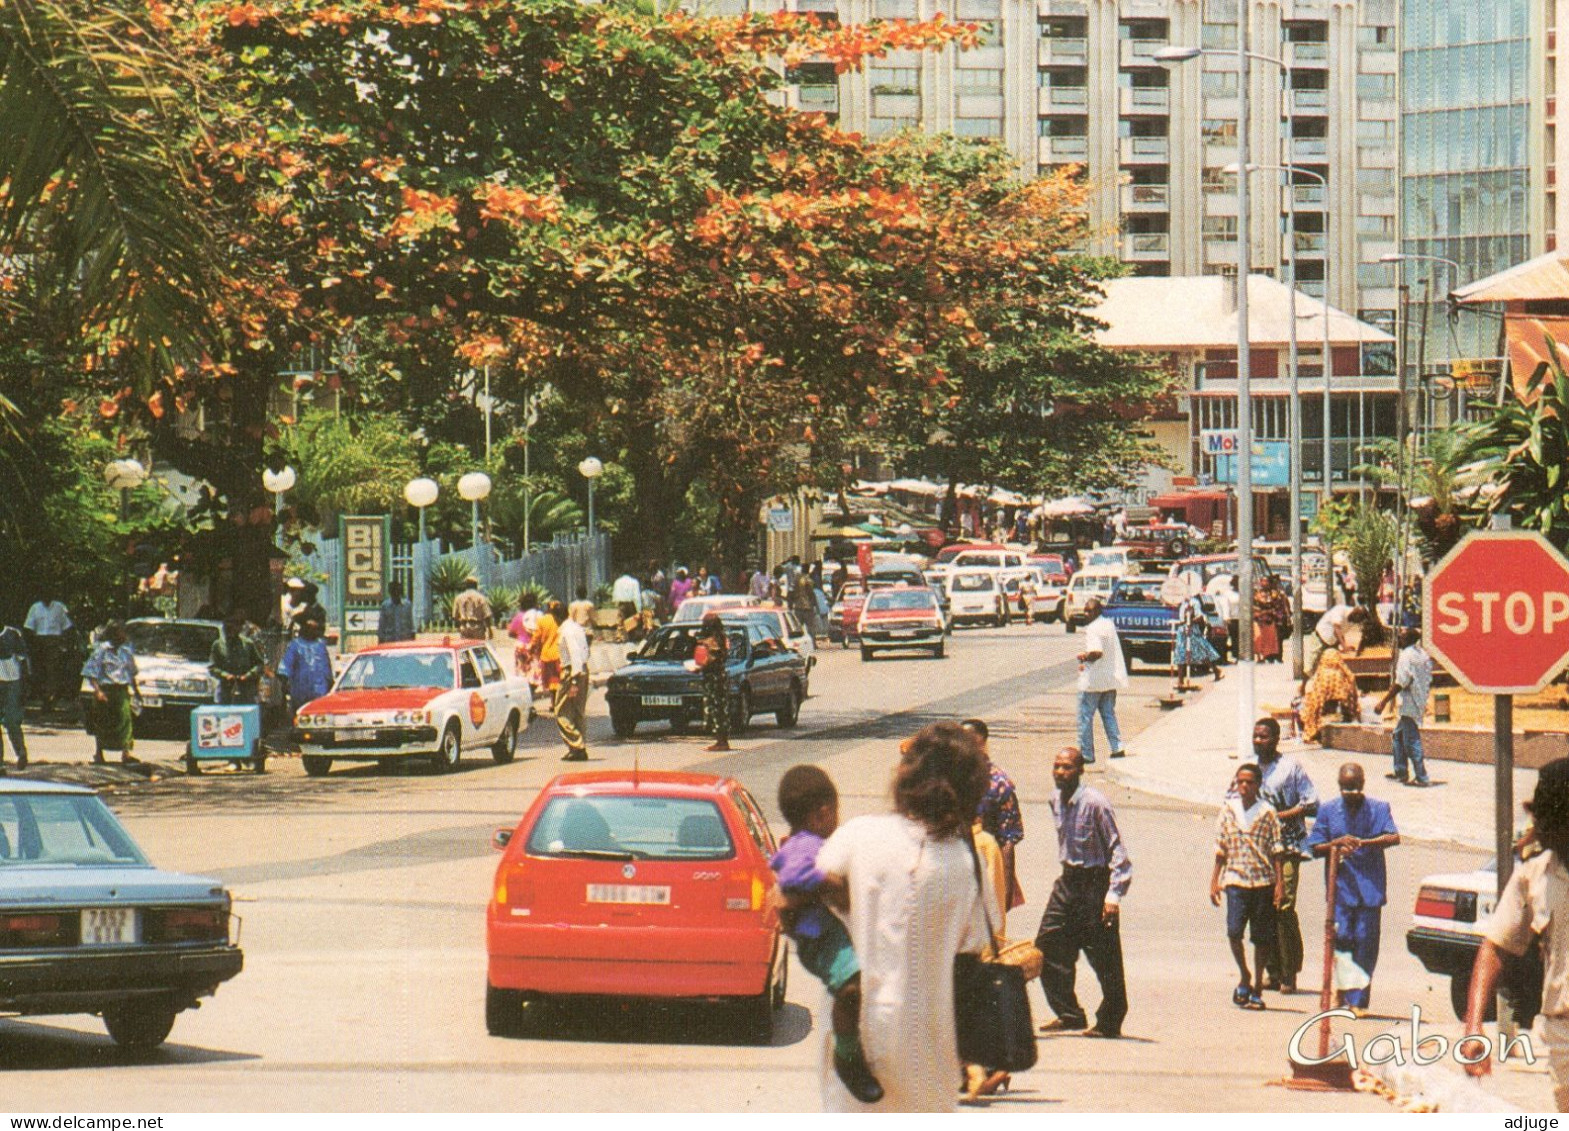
[(1495, 612)]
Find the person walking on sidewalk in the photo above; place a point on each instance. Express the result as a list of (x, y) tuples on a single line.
[(1361, 828), (571, 703), (1289, 790), (1413, 681), (1102, 672), (48, 626), (14, 670), (395, 622), (111, 673), (1000, 815), (1084, 912), (472, 612), (1532, 912), (1247, 870)]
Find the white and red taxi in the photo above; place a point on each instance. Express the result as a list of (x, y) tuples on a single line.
[(415, 700)]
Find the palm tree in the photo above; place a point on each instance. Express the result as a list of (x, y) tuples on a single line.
[(1434, 463), (97, 118), (1516, 459)]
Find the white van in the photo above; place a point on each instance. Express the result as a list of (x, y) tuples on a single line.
[(1082, 586)]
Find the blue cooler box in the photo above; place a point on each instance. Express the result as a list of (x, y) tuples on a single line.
[(226, 734)]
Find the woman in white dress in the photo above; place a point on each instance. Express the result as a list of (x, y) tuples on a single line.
[(913, 905)]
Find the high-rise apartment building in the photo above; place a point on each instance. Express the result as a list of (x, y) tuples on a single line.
[(1076, 82)]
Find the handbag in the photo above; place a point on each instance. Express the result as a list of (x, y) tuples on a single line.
[(991, 1006)]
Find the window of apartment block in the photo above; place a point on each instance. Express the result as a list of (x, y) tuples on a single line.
[(1146, 175), (1219, 84), (1218, 37), (1068, 78), (1376, 182), (1145, 223), (812, 74), (1143, 127), (977, 127), (1221, 11), (1062, 126), (1305, 31), (1219, 131), (1310, 78), (1376, 227), (1375, 132), (882, 127), (1371, 275), (894, 80), (1378, 38), (1220, 227), (1376, 88), (1068, 28), (1145, 79), (977, 80), (1142, 29), (894, 9)]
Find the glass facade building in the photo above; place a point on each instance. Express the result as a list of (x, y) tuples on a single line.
[(1466, 81)]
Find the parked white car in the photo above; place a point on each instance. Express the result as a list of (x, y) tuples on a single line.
[(1446, 932)]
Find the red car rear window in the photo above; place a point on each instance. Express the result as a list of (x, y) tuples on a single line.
[(631, 826)]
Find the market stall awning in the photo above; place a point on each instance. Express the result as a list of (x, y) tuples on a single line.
[(1065, 508), (849, 533)]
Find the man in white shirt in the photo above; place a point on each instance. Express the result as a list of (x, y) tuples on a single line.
[(47, 625), (1413, 681), (1329, 632), (626, 591), (1102, 672), (1228, 603), (571, 705)]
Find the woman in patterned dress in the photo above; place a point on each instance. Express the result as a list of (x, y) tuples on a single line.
[(713, 660)]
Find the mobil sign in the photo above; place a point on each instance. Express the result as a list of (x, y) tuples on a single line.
[(1496, 612)]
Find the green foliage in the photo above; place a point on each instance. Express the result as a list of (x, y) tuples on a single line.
[(446, 579), (503, 600), (602, 594), (355, 463), (1516, 459), (1433, 483), (1369, 538), (542, 595)]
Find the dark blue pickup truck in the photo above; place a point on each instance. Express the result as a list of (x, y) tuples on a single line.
[(1147, 625)]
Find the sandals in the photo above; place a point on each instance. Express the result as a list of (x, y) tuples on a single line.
[(1240, 995), (1255, 1001)]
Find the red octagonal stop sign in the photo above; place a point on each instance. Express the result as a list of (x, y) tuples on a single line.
[(1496, 612)]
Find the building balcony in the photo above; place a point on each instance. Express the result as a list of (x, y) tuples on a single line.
[(1146, 198), (1144, 150), (1307, 54), (1310, 243), (1146, 247), (1144, 100), (1308, 198), (1220, 251), (1062, 149), (1063, 99), (1310, 101), (818, 98), (892, 105), (1064, 50), (1139, 52), (1309, 148)]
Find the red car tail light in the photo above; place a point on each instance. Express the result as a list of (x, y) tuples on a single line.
[(514, 885), (187, 924), (1446, 903), (33, 929), (746, 891)]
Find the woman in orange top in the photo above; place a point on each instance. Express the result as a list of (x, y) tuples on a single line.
[(547, 649)]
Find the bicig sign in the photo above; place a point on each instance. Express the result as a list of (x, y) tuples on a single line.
[(366, 552)]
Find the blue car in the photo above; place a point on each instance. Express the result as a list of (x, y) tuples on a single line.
[(87, 925), (765, 674)]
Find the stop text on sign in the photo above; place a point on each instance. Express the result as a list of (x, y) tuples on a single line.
[(1496, 612), (1521, 613)]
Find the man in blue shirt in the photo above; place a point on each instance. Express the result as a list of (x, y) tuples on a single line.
[(1360, 829)]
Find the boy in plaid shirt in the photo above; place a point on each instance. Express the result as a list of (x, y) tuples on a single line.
[(1248, 851)]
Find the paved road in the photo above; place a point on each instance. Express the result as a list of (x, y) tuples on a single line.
[(362, 896)]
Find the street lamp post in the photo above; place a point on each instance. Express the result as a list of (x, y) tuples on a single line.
[(1296, 441), (278, 482), (419, 494), (591, 469), (1245, 699), (475, 487), (124, 476)]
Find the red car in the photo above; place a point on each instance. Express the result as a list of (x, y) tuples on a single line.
[(636, 884)]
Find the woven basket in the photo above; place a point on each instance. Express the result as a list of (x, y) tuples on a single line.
[(1022, 953)]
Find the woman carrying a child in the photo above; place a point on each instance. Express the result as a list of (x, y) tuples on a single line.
[(913, 904)]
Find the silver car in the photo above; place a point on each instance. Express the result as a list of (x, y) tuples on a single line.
[(87, 925)]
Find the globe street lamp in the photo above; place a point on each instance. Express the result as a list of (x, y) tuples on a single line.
[(475, 486), (591, 469), (124, 476), (419, 494), (278, 482)]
